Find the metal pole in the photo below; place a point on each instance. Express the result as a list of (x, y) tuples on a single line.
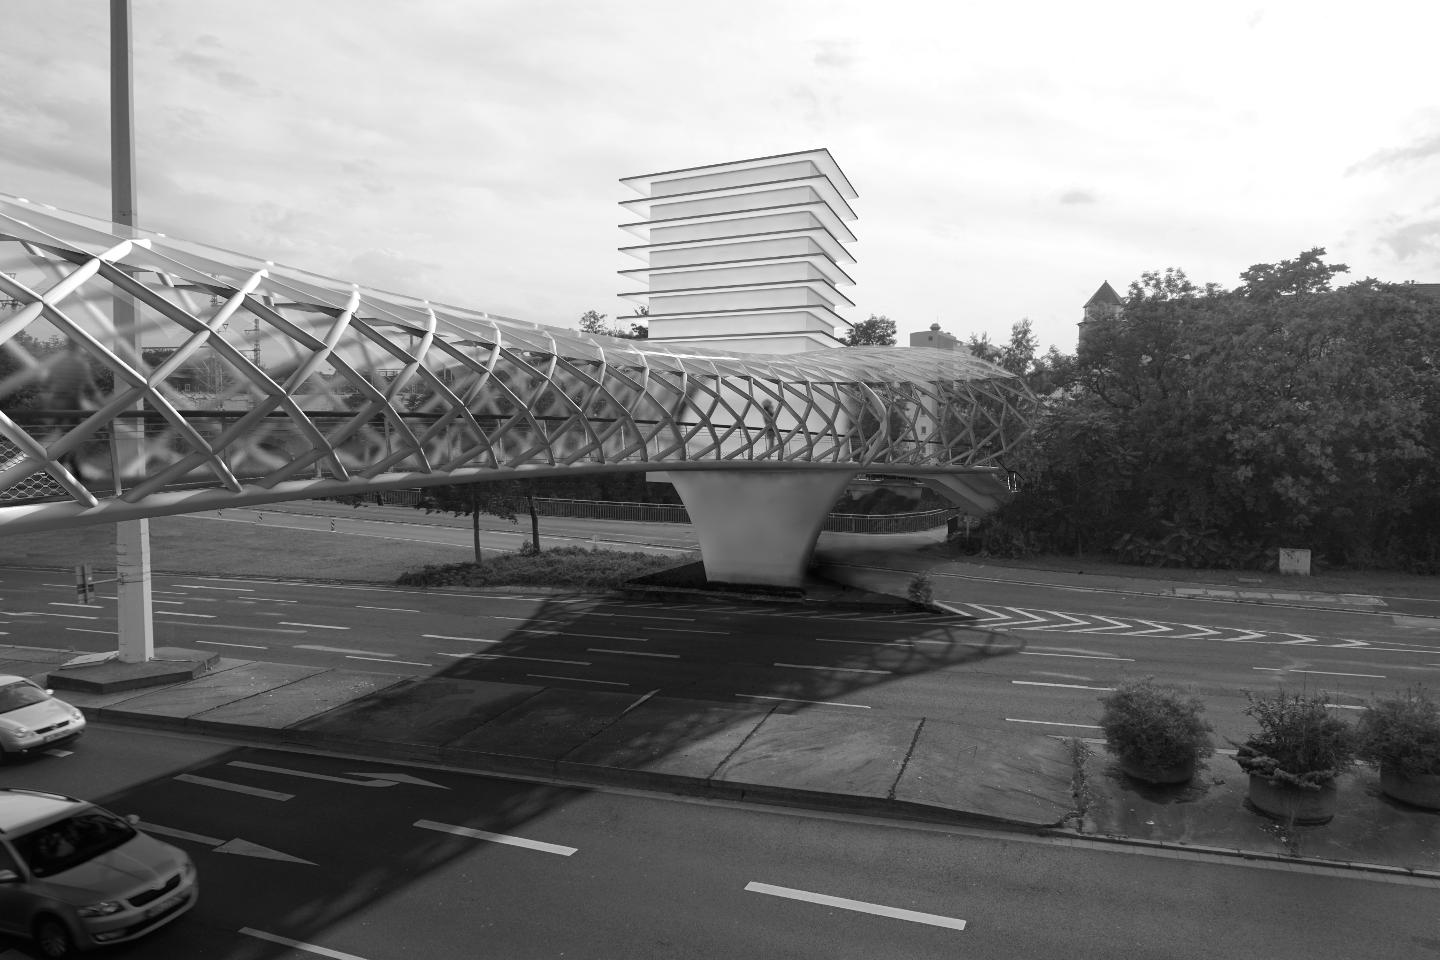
[(134, 612)]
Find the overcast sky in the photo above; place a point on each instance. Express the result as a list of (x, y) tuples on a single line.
[(1008, 157)]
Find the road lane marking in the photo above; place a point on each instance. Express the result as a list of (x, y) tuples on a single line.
[(311, 646), (505, 839), (640, 616), (640, 701), (1075, 656), (82, 606), (108, 633), (1068, 686), (1344, 706), (812, 666), (1052, 723), (408, 663), (513, 656), (551, 676), (68, 616), (261, 600), (586, 636), (57, 752), (1323, 673), (367, 779), (218, 643), (233, 787), (231, 626), (177, 603), (361, 606), (242, 847), (859, 906), (299, 945), (725, 633), (441, 636), (206, 586), (525, 619), (826, 703), (316, 626), (182, 613), (634, 653)]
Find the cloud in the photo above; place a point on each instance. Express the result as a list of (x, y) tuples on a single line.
[(220, 71), (835, 54), (390, 270), (1077, 197), (1421, 149), (1413, 239)]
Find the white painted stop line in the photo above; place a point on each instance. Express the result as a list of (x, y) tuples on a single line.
[(860, 906)]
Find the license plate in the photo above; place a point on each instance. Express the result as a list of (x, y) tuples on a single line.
[(164, 905)]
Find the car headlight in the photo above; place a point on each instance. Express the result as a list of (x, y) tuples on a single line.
[(75, 714), (20, 730), (102, 909)]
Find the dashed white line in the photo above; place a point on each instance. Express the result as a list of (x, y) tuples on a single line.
[(1075, 656), (1344, 706), (68, 616), (315, 626), (551, 676), (319, 649), (502, 838), (182, 613), (1322, 673), (512, 656), (299, 945), (724, 633), (234, 787), (361, 606), (1068, 686), (634, 653), (825, 703), (813, 666), (1052, 723), (586, 636), (206, 586), (441, 636), (859, 906), (409, 663), (108, 633), (247, 646)]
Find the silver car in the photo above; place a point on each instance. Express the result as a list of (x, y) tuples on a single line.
[(74, 876), (32, 719)]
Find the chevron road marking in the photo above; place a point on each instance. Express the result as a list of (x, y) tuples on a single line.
[(1114, 625), (1070, 622)]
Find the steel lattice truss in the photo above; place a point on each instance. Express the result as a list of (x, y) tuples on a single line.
[(238, 382)]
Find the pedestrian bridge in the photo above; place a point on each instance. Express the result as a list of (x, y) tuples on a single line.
[(142, 375)]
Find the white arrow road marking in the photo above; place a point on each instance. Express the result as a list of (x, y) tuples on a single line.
[(509, 841), (370, 779), (299, 945), (859, 906), (237, 846), (233, 787)]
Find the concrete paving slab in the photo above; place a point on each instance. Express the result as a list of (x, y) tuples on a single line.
[(302, 700), (1211, 811), (823, 752), (666, 738), (89, 673), (542, 729), (211, 691), (14, 653), (86, 700), (423, 713), (1021, 778)]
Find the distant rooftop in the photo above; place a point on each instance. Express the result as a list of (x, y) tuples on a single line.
[(1105, 295)]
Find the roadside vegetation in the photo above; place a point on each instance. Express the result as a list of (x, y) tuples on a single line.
[(556, 567), (1206, 428)]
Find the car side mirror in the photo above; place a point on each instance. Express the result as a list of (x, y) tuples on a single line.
[(49, 693), (9, 876)]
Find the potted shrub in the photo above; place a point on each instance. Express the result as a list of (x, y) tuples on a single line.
[(1401, 736), (1155, 730), (1293, 760)]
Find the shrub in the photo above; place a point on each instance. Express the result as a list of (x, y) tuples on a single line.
[(1300, 741), (1402, 733), (557, 567), (1154, 725), (921, 592)]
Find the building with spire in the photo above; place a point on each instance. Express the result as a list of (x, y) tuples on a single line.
[(1105, 304)]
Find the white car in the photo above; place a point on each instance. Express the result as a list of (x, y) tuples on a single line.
[(31, 718)]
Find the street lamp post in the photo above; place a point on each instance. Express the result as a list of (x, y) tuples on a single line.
[(134, 611)]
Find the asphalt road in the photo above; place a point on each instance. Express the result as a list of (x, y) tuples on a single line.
[(303, 855), (1048, 658)]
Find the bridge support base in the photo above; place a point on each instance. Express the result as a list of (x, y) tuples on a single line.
[(757, 526)]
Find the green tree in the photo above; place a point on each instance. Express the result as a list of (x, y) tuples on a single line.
[(877, 331), (497, 498), (1307, 273), (593, 322)]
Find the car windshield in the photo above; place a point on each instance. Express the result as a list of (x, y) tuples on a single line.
[(22, 693), (56, 847)]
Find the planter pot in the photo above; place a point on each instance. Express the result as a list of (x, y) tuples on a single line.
[(1421, 791), (1285, 801), (1180, 773)]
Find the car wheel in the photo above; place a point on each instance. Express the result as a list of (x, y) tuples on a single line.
[(53, 938)]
